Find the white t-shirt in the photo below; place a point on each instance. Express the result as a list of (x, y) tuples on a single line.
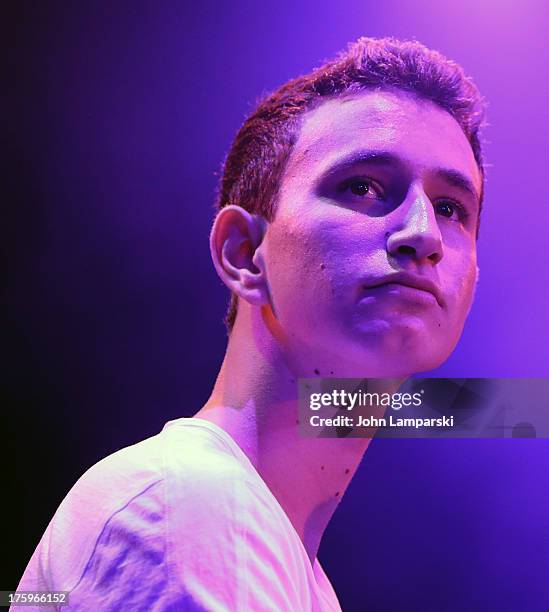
[(179, 521)]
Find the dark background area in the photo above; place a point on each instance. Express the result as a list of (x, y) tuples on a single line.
[(117, 119)]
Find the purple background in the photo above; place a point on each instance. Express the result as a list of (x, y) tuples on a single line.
[(118, 120)]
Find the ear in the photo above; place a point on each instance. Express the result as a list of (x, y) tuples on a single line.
[(235, 246)]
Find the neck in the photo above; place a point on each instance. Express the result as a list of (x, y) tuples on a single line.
[(255, 401)]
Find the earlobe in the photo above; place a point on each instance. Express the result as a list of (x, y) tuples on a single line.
[(235, 245)]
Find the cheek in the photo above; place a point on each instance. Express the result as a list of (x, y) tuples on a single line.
[(307, 261), (323, 257), (464, 285), (295, 268)]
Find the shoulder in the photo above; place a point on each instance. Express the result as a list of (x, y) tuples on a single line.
[(184, 472), (181, 514), (184, 461), (228, 535), (108, 492), (206, 475), (200, 458)]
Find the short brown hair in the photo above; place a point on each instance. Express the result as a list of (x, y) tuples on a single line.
[(254, 167)]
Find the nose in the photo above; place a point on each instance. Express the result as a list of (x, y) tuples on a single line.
[(418, 234)]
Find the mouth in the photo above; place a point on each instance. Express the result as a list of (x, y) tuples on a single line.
[(417, 284)]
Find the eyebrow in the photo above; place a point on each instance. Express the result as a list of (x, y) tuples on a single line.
[(387, 158), (459, 180), (362, 157)]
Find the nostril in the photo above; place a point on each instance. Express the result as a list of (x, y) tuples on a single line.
[(406, 250)]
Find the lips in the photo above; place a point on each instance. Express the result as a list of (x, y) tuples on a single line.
[(408, 280)]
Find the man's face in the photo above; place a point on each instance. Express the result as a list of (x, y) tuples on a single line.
[(380, 189)]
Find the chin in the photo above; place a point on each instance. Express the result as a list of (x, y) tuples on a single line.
[(387, 351)]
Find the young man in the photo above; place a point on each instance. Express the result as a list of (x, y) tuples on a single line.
[(348, 217)]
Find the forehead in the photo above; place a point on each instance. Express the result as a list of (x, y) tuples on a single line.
[(417, 131)]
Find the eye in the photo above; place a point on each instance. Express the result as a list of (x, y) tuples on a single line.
[(451, 210), (362, 188)]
